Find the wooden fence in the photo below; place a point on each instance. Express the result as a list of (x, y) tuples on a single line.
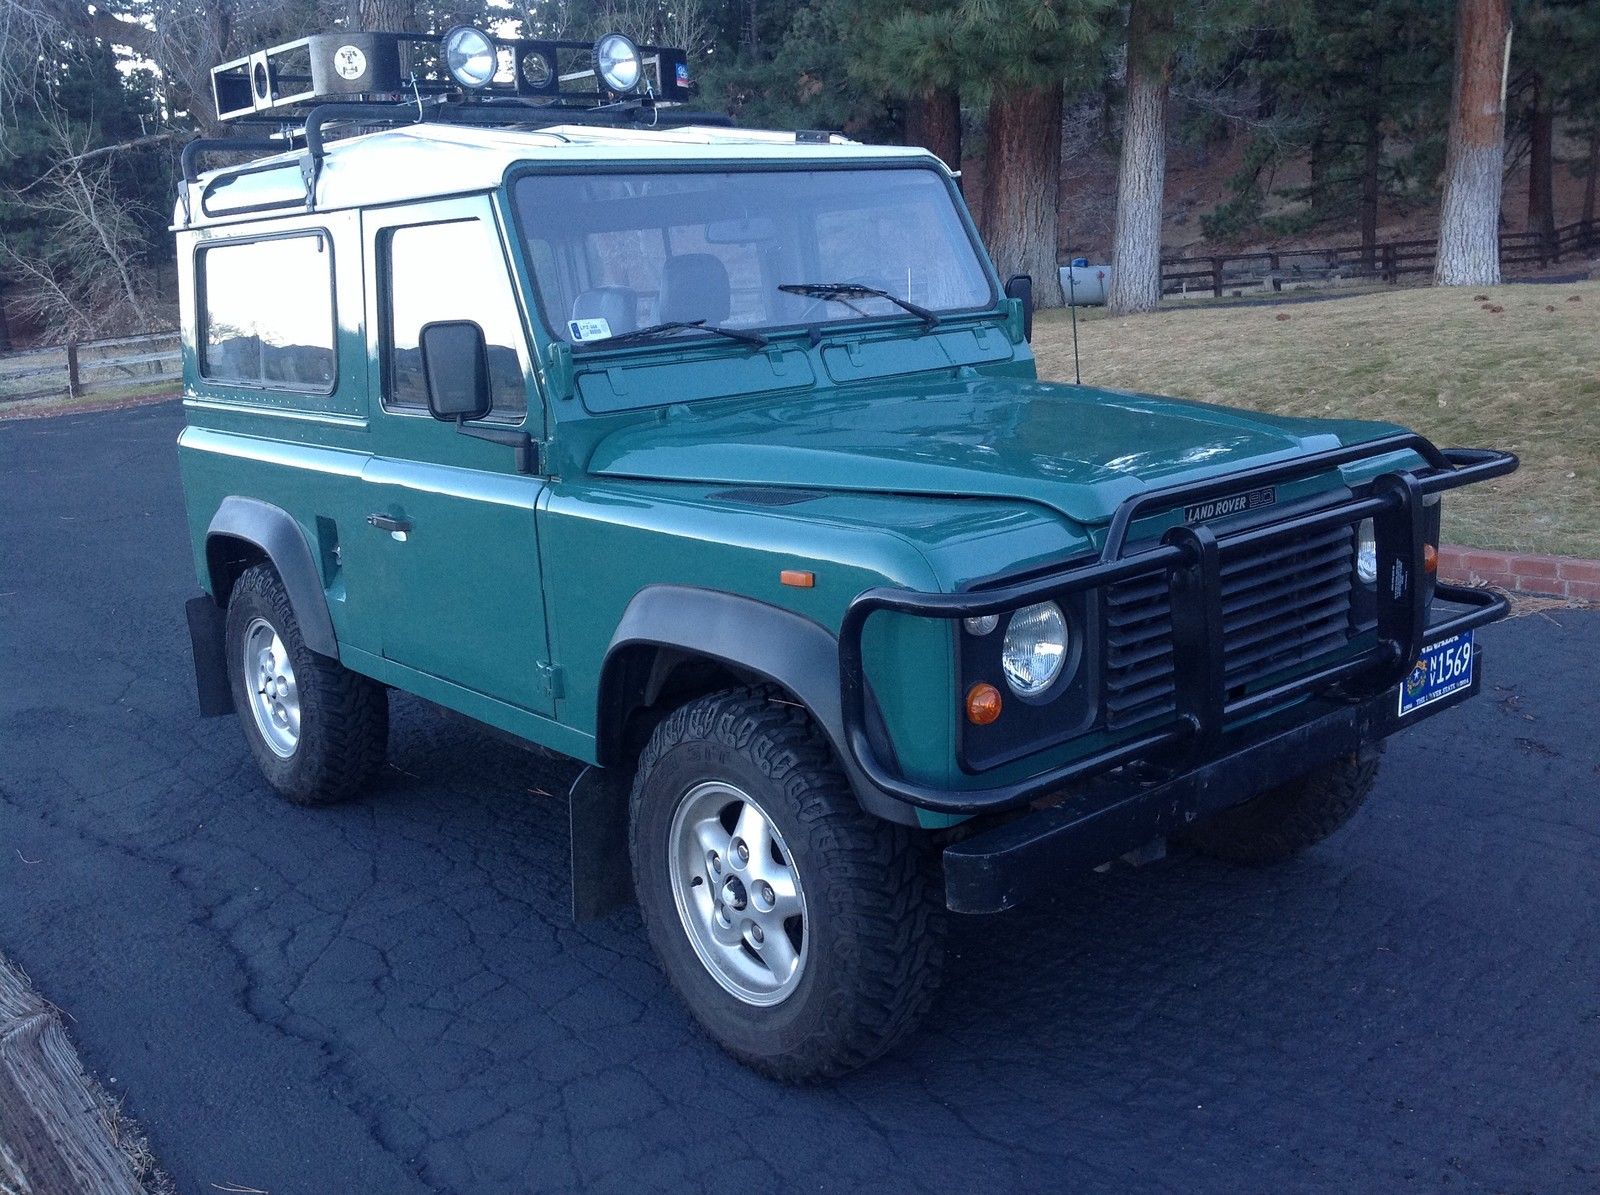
[(87, 367), (1388, 262)]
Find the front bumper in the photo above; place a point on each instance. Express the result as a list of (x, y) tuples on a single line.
[(1191, 557), (1000, 868)]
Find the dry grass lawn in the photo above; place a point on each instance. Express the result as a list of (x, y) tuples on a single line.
[(1520, 370)]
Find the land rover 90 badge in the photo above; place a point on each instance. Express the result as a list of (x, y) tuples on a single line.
[(1233, 504)]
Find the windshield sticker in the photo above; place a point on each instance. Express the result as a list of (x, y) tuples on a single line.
[(589, 329)]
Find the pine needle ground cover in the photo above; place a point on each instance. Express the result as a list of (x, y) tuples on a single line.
[(1515, 367)]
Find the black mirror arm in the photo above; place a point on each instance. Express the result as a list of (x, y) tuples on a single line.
[(520, 442)]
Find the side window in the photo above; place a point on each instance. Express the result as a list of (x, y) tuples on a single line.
[(266, 313), (452, 271)]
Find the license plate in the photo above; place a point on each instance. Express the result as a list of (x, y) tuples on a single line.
[(1444, 668)]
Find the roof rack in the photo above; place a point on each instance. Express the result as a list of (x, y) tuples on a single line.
[(287, 86), (390, 66)]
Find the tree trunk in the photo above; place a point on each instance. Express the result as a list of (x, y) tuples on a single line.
[(1469, 221), (1541, 172), (390, 16), (1318, 167), (1141, 179), (1022, 185), (933, 121), (1372, 159)]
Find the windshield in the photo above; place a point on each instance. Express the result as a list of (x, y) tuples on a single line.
[(613, 253)]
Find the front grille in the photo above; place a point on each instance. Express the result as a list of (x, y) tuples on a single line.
[(1284, 606)]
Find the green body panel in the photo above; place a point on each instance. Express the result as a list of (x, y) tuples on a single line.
[(931, 460), (1079, 451)]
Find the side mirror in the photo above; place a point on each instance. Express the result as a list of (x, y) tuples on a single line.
[(455, 363), (1020, 287)]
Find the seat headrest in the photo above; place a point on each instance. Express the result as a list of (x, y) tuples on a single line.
[(695, 286), (617, 305)]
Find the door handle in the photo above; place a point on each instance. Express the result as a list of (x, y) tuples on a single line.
[(392, 525)]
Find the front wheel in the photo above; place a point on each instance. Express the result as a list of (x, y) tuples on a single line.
[(1283, 821), (803, 934), (318, 730)]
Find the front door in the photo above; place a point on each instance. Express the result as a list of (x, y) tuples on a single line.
[(450, 518)]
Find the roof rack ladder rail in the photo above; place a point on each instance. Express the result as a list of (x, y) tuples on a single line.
[(190, 158), (325, 114)]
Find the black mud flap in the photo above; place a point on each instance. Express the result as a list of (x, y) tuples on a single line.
[(597, 821), (207, 622)]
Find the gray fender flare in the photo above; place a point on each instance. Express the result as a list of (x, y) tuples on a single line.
[(789, 650), (274, 531)]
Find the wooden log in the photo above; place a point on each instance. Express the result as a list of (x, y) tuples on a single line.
[(59, 1132)]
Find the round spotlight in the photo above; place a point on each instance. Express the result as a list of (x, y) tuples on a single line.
[(536, 70), (617, 63), (470, 56)]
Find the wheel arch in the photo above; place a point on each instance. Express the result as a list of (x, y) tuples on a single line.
[(247, 531), (675, 643)]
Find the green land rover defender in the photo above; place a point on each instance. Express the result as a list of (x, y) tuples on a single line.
[(716, 460)]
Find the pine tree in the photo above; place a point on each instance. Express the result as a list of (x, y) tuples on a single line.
[(1357, 92), (1555, 57)]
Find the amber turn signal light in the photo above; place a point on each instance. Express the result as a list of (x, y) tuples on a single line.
[(799, 578), (983, 704), (1430, 559)]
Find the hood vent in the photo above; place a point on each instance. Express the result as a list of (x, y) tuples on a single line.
[(761, 496)]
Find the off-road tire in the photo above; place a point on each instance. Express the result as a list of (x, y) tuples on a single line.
[(875, 922), (1283, 821), (344, 717)]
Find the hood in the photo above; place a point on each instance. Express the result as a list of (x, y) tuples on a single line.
[(1077, 450)]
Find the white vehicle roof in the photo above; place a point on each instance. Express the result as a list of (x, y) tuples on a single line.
[(435, 159)]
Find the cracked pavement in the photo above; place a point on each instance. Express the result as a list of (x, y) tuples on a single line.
[(384, 997)]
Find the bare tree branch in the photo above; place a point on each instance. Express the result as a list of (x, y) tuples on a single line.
[(86, 279)]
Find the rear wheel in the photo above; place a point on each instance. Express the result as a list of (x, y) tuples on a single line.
[(318, 730), (804, 934), (1283, 821)]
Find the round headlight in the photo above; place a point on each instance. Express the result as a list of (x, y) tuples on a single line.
[(470, 56), (1034, 649), (1367, 553), (617, 62)]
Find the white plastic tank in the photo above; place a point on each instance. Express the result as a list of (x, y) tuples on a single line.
[(1084, 285)]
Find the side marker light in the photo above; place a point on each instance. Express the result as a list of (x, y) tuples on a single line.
[(983, 704)]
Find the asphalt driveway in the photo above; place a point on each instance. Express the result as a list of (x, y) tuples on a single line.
[(383, 997)]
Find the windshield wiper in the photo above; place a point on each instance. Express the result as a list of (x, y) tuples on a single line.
[(843, 292), (678, 325)]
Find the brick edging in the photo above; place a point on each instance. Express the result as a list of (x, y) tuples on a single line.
[(1521, 572)]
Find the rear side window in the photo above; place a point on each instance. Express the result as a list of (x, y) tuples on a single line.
[(266, 313), (450, 271)]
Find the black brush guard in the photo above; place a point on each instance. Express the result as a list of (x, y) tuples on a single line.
[(1191, 556)]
